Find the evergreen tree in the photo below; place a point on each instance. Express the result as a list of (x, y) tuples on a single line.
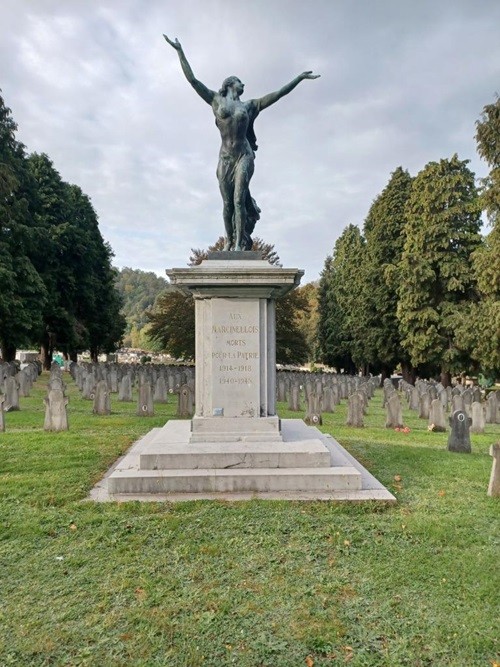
[(98, 323), (341, 329), (435, 275), (22, 292), (484, 316), (54, 237), (383, 230)]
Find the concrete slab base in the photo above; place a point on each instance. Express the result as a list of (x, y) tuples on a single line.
[(307, 465)]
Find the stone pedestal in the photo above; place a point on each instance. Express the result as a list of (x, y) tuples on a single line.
[(236, 445), (235, 345)]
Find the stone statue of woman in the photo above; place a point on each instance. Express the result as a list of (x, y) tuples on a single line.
[(235, 120)]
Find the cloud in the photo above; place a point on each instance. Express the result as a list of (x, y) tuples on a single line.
[(95, 86)]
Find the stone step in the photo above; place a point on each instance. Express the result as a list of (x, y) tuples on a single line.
[(233, 455), (234, 480)]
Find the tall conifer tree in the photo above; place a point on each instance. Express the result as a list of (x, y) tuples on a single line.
[(436, 280)]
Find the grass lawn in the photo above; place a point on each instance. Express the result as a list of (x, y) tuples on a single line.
[(253, 584)]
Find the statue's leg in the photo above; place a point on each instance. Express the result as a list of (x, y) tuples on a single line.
[(243, 175), (226, 187)]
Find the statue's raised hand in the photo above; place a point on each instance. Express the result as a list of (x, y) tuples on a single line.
[(176, 44), (308, 75)]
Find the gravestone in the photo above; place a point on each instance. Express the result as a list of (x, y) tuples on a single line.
[(313, 416), (113, 379), (437, 419), (336, 393), (477, 414), (11, 394), (125, 390), (281, 389), (328, 399), (414, 399), (294, 397), (394, 412), (476, 395), (56, 417), (24, 383), (355, 410), (494, 485), (443, 397), (160, 393), (492, 408), (102, 399), (424, 406), (185, 406), (145, 407), (56, 382), (2, 419), (89, 387), (459, 438), (467, 398), (457, 403)]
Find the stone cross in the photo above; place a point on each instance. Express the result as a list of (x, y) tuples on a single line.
[(459, 438), (494, 485), (56, 417)]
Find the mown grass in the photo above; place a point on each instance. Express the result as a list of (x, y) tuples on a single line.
[(254, 584)]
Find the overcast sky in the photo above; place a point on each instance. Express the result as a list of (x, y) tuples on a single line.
[(93, 84)]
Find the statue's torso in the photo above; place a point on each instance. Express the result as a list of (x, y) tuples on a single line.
[(233, 117)]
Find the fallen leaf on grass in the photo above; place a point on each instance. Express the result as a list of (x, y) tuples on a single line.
[(72, 526), (309, 661), (140, 593), (397, 478), (348, 650), (347, 543), (441, 493)]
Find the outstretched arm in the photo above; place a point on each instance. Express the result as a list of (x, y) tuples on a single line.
[(271, 98), (204, 92)]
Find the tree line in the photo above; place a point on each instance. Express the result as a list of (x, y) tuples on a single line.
[(57, 283), (419, 286)]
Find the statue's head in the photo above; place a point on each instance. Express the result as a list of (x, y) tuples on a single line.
[(231, 82)]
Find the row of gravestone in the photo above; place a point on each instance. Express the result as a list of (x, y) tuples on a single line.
[(56, 401), (432, 401), (459, 397), (122, 378), (323, 391), (465, 417)]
